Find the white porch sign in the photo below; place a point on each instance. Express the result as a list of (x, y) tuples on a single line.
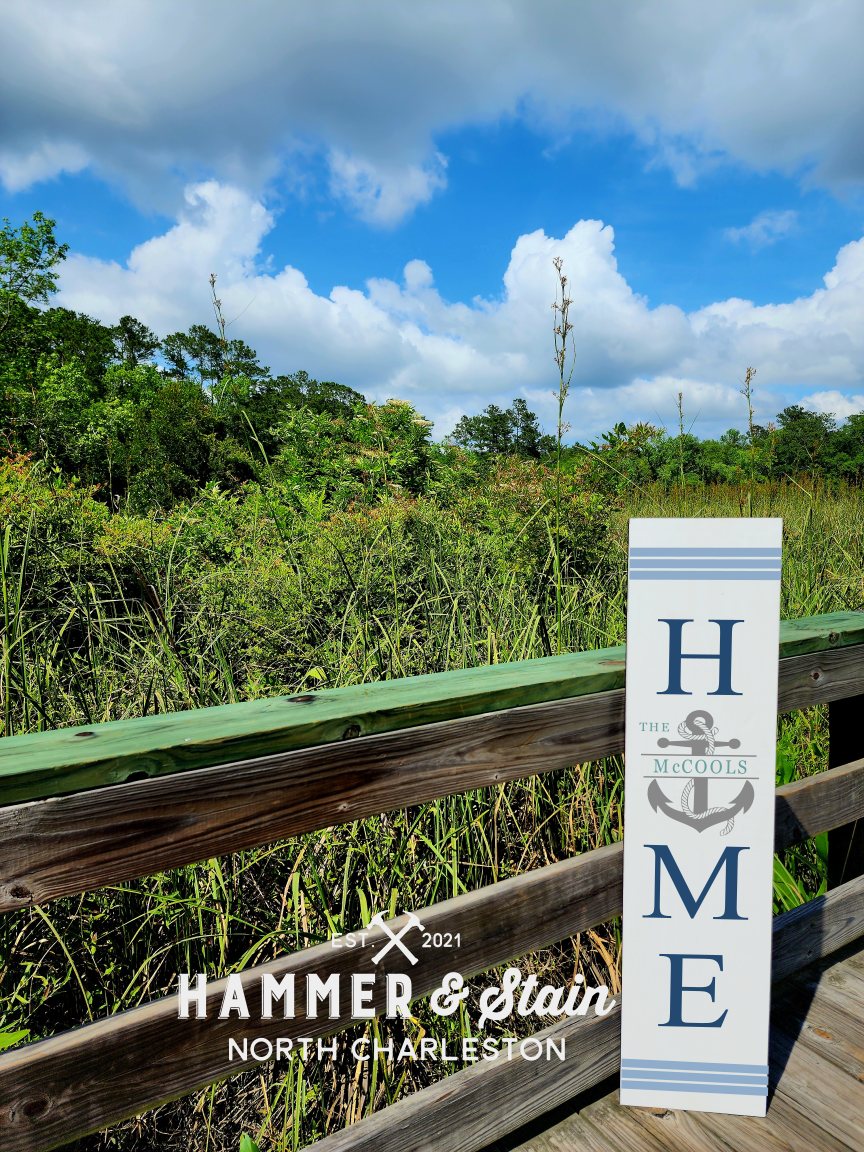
[(702, 647)]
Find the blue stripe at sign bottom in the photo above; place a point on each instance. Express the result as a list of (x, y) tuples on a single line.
[(727, 1089), (697, 1066), (695, 1076)]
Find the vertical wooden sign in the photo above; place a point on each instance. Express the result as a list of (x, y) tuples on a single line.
[(702, 647)]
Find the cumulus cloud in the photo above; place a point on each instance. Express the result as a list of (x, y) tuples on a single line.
[(48, 159), (766, 228), (834, 402), (152, 91), (385, 196), (449, 358)]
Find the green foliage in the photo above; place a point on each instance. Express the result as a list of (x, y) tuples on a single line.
[(200, 353), (802, 444), (134, 343), (511, 432), (8, 1039), (28, 258)]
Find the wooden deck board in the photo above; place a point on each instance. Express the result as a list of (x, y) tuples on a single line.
[(667, 1130), (784, 1129), (567, 1136), (817, 1084), (654, 1129)]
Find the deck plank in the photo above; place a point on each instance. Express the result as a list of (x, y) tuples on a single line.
[(818, 1090), (651, 1129), (571, 1135), (826, 1015), (784, 1129)]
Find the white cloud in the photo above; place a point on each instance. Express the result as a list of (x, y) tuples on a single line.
[(834, 402), (152, 91), (450, 358), (382, 196), (49, 159), (766, 228)]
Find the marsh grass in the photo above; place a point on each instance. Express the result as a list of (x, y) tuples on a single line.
[(404, 593)]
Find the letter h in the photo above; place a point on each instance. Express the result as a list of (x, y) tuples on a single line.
[(724, 656)]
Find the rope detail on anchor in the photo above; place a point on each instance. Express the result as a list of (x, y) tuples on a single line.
[(704, 735)]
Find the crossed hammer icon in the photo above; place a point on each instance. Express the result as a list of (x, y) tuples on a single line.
[(396, 939)]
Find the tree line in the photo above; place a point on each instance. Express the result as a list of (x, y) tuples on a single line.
[(150, 420)]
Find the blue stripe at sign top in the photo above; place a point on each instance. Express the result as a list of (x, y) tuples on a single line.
[(718, 552), (712, 574), (768, 562)]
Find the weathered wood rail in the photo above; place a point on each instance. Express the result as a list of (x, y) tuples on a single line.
[(88, 807)]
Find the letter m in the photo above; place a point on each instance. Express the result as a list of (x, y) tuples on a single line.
[(664, 858)]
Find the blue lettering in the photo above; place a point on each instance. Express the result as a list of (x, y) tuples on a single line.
[(724, 656), (677, 988), (664, 858)]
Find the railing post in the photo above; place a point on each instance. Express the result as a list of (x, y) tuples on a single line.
[(845, 743)]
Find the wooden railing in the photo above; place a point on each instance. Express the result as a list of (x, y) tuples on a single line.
[(86, 807)]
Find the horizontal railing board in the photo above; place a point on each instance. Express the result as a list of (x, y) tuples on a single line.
[(69, 844), (818, 803), (463, 1113), (57, 1089), (819, 678), (75, 843), (817, 928), (476, 1106), (810, 634), (75, 759)]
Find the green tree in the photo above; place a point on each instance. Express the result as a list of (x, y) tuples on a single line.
[(202, 352), (28, 258), (803, 441), (512, 431), (134, 343)]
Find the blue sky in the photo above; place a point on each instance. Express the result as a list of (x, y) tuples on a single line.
[(404, 144)]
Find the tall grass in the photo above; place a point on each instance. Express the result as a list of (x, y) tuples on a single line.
[(399, 591)]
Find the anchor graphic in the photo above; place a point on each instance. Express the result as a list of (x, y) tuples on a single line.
[(700, 816), (698, 734)]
